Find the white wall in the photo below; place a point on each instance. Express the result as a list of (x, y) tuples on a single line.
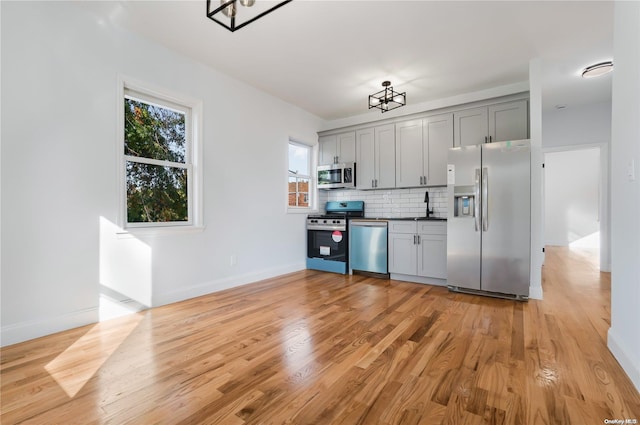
[(624, 334), (577, 125), (59, 92), (572, 195)]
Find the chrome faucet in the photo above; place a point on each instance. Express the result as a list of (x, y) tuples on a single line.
[(426, 199)]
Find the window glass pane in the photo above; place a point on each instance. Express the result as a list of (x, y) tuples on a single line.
[(156, 193), (298, 192), (293, 190), (303, 192), (299, 159), (151, 131)]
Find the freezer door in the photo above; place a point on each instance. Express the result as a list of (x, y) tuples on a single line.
[(463, 220), (506, 217)]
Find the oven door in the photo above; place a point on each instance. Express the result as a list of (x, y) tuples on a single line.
[(327, 245)]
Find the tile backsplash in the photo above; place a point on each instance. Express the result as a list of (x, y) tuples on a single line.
[(391, 203)]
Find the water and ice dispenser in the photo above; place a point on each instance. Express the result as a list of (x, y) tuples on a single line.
[(463, 201)]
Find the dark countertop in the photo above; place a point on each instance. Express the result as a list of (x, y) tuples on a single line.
[(404, 218)]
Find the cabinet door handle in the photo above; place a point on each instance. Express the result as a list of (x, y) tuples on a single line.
[(420, 179), (485, 139), (414, 239), (425, 179), (490, 139), (418, 239)]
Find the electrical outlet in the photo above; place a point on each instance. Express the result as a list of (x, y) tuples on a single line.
[(233, 260)]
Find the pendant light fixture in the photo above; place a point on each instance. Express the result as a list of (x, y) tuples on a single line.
[(597, 69), (387, 99), (236, 17)]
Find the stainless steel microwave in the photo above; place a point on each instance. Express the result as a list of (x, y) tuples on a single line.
[(337, 176)]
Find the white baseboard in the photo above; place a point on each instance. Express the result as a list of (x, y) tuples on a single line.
[(418, 279), (24, 331), (535, 292), (222, 284), (617, 347)]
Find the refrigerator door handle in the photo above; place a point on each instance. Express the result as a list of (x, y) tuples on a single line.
[(485, 199), (476, 203)]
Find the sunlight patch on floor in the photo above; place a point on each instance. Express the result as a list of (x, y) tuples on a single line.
[(591, 241), (75, 366), (111, 308)]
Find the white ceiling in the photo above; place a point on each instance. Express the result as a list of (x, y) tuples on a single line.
[(328, 56)]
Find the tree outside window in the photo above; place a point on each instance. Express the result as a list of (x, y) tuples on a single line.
[(157, 161)]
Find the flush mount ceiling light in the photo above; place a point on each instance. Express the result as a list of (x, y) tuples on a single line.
[(387, 99), (597, 69), (233, 17)]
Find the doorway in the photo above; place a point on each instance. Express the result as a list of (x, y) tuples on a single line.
[(576, 199)]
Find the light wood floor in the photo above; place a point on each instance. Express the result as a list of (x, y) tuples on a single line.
[(319, 348)]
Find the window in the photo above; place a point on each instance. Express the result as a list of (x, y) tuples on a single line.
[(159, 152), (300, 181)]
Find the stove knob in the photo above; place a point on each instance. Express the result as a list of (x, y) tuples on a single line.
[(325, 221)]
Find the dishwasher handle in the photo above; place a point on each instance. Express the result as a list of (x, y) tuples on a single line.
[(369, 223)]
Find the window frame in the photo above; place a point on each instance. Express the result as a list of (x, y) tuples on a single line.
[(147, 93), (311, 177)]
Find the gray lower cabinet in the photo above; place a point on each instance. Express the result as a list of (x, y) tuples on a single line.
[(432, 255), (418, 251)]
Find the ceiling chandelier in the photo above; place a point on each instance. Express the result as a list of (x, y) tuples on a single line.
[(387, 99), (237, 17)]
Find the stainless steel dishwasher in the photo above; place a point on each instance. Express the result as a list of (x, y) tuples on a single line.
[(368, 246)]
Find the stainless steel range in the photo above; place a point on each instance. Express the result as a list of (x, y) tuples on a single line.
[(328, 238)]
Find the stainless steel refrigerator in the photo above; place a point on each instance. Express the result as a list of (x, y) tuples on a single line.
[(489, 219)]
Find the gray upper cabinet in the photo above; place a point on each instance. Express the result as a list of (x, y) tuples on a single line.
[(438, 135), (471, 126), (493, 123), (337, 148), (409, 154), (421, 151), (509, 121), (375, 159)]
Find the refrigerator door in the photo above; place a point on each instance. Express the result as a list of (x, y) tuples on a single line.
[(506, 217), (463, 221)]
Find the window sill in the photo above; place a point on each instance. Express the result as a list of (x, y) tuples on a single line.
[(301, 211), (135, 232)]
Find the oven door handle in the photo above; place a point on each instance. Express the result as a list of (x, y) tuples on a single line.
[(326, 228)]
